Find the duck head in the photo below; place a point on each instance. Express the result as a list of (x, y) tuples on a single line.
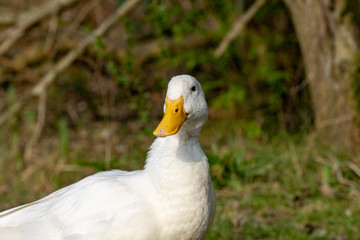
[(185, 108)]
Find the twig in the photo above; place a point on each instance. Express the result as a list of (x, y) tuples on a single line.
[(31, 17), (82, 14), (71, 56), (68, 59), (237, 27), (355, 168), (336, 167), (152, 48), (335, 121), (6, 17), (50, 39), (343, 180)]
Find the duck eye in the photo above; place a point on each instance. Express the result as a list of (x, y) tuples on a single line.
[(193, 89)]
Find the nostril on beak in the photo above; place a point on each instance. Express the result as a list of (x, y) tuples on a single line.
[(176, 110)]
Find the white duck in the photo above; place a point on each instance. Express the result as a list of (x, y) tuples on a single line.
[(171, 198)]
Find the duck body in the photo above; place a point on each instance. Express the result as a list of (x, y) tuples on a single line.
[(171, 198)]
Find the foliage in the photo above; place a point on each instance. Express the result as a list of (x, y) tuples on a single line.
[(279, 188), (100, 113)]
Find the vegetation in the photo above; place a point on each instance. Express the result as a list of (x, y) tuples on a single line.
[(273, 176)]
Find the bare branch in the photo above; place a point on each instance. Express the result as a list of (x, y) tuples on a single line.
[(335, 121), (153, 48), (68, 59), (354, 168), (71, 56), (6, 16), (237, 27), (82, 14), (31, 17)]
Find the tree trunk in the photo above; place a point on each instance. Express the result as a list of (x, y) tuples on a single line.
[(328, 43)]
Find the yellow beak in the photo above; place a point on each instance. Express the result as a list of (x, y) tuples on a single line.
[(174, 117)]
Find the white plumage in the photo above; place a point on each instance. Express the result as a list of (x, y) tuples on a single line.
[(172, 198)]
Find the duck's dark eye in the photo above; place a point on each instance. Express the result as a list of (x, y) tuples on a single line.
[(193, 89)]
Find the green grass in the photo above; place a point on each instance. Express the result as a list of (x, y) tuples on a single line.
[(278, 187), (273, 188)]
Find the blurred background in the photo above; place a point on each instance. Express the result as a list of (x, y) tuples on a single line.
[(82, 85)]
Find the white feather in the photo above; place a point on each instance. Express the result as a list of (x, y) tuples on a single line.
[(172, 198)]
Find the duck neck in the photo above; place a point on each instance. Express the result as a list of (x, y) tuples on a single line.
[(172, 152), (175, 163)]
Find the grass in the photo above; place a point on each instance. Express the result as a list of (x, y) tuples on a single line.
[(279, 187)]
